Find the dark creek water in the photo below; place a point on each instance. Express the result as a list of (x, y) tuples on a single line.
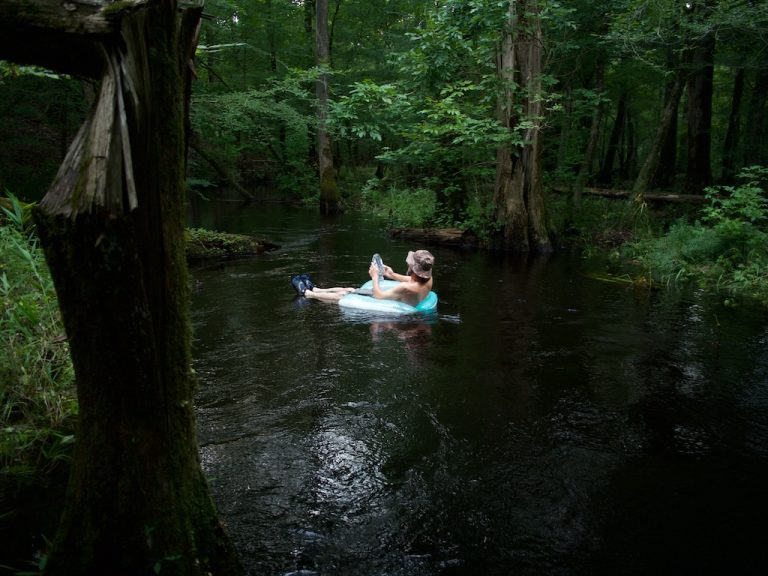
[(543, 423)]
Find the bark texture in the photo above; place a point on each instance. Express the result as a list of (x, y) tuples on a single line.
[(112, 229), (518, 192)]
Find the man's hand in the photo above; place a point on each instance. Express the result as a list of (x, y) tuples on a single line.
[(373, 271), (388, 271)]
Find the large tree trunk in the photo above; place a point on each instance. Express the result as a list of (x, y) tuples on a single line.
[(112, 229), (329, 193), (699, 170), (518, 192)]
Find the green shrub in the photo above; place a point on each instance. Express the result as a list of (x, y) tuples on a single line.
[(727, 250)]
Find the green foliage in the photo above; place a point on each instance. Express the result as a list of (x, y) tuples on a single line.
[(727, 250), (480, 215), (369, 110), (745, 204), (37, 393), (401, 207), (267, 129)]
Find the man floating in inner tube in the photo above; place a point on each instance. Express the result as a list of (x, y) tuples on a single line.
[(414, 286)]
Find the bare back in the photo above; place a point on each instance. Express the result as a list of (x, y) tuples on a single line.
[(410, 292)]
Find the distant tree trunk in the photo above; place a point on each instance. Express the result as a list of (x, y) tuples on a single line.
[(667, 169), (330, 32), (588, 159), (566, 129), (652, 157), (518, 192), (112, 228), (754, 149), (309, 18), (733, 133), (329, 193), (628, 151), (699, 170), (605, 176), (271, 22)]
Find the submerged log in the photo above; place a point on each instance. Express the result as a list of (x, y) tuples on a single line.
[(453, 237)]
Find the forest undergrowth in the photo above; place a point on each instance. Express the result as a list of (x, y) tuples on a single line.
[(723, 248)]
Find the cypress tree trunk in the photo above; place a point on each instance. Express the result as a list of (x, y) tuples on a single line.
[(518, 192), (112, 229)]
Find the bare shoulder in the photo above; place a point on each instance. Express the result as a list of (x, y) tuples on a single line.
[(409, 287)]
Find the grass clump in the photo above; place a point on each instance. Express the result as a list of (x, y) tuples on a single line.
[(37, 393)]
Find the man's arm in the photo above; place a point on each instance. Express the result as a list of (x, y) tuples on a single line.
[(395, 293), (392, 275)]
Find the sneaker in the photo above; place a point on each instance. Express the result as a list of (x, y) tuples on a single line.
[(298, 285), (307, 281), (379, 264)]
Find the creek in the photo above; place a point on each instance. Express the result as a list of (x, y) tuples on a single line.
[(543, 422)]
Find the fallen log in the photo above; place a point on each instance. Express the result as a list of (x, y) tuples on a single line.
[(648, 197), (452, 237)]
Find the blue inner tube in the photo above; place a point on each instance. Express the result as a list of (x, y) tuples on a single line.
[(369, 303)]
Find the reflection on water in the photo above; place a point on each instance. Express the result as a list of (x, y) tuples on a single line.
[(542, 422), (415, 336)]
